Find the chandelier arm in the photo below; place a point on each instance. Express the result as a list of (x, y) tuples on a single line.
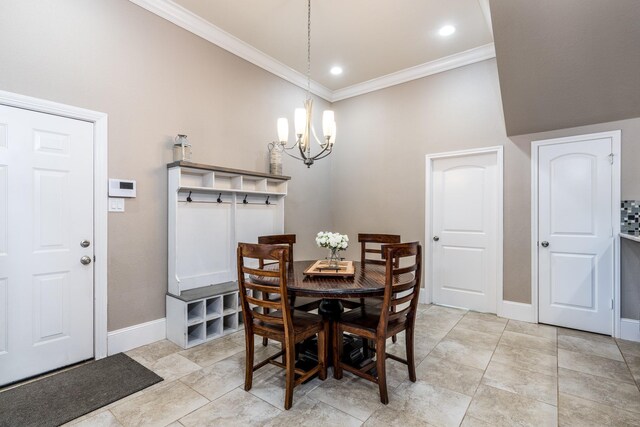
[(291, 155), (318, 157)]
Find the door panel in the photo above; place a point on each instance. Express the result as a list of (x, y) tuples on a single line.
[(464, 203), (576, 267), (46, 296)]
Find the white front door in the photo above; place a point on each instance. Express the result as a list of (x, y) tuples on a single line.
[(575, 235), (46, 211), (464, 231)]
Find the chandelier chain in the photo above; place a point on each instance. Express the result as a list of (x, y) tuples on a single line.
[(308, 48)]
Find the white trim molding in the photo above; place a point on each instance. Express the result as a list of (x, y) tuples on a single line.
[(516, 311), (616, 137), (429, 158), (134, 336), (100, 152), (193, 23), (630, 329), (447, 63)]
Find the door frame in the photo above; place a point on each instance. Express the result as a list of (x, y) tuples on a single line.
[(615, 136), (428, 226), (100, 158)]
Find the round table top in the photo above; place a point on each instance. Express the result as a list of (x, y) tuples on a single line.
[(367, 281)]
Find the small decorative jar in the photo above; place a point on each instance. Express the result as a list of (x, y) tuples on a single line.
[(181, 149)]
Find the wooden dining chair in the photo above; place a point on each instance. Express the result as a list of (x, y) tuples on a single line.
[(378, 240), (378, 323), (280, 323), (299, 303)]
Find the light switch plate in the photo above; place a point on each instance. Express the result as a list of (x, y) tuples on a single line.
[(116, 204)]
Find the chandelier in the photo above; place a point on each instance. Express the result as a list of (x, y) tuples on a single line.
[(304, 130)]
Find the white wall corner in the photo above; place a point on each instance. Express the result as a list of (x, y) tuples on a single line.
[(423, 298), (517, 311), (630, 329), (134, 336)]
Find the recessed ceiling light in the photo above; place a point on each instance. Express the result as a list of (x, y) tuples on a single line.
[(447, 30), (336, 70)]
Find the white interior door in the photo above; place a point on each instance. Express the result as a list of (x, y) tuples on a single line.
[(575, 235), (464, 244), (46, 211)]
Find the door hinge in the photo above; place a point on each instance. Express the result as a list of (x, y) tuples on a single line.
[(94, 258), (611, 303), (611, 158)]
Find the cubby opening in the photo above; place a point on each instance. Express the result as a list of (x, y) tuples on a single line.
[(230, 303), (214, 328), (195, 312), (214, 307), (195, 334), (230, 323)]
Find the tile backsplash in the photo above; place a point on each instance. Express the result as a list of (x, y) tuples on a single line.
[(630, 216)]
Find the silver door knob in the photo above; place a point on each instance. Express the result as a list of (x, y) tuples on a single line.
[(436, 238), (85, 260), (85, 243), (545, 244)]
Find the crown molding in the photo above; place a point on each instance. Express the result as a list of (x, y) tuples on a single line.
[(450, 62), (191, 22)]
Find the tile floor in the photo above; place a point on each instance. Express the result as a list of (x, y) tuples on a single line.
[(473, 370)]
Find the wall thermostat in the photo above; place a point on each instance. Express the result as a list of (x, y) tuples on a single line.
[(122, 188)]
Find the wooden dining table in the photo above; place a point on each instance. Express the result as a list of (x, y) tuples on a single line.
[(368, 281)]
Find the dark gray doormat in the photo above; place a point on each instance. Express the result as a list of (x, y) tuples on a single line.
[(70, 394)]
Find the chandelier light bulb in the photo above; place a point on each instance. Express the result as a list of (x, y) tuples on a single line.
[(283, 130), (300, 118), (328, 123)]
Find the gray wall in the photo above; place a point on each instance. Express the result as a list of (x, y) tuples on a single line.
[(630, 279), (155, 80)]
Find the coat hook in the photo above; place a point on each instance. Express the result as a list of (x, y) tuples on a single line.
[(189, 199), (245, 199), (219, 199), (267, 202)]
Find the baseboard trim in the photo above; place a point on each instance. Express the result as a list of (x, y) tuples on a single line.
[(134, 336), (630, 329), (423, 298), (517, 311)]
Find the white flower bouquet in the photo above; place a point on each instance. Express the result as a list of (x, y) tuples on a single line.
[(333, 241)]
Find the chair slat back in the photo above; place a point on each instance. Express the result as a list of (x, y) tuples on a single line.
[(279, 239), (402, 284), (366, 238), (254, 307)]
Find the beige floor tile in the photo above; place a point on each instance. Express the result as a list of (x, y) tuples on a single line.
[(477, 339), (444, 373), (586, 346), (594, 365), (387, 417), (270, 387), (440, 318), (213, 351), (236, 408), (221, 377), (516, 339), (609, 392), (482, 322), (102, 419), (355, 396), (502, 408), (173, 366), (526, 383), (526, 358), (424, 340), (535, 329), (474, 422), (586, 335), (574, 411), (160, 407), (634, 366), (151, 353), (630, 348), (463, 353), (428, 403), (311, 413)]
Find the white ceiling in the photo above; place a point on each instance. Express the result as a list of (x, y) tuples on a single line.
[(381, 42)]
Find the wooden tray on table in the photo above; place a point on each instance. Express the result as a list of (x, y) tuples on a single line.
[(321, 268)]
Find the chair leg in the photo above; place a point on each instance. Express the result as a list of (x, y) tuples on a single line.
[(290, 374), (265, 341), (394, 338), (381, 367), (337, 351), (248, 368), (408, 335), (323, 335)]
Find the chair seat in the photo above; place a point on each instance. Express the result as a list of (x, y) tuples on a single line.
[(303, 323), (367, 318)]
